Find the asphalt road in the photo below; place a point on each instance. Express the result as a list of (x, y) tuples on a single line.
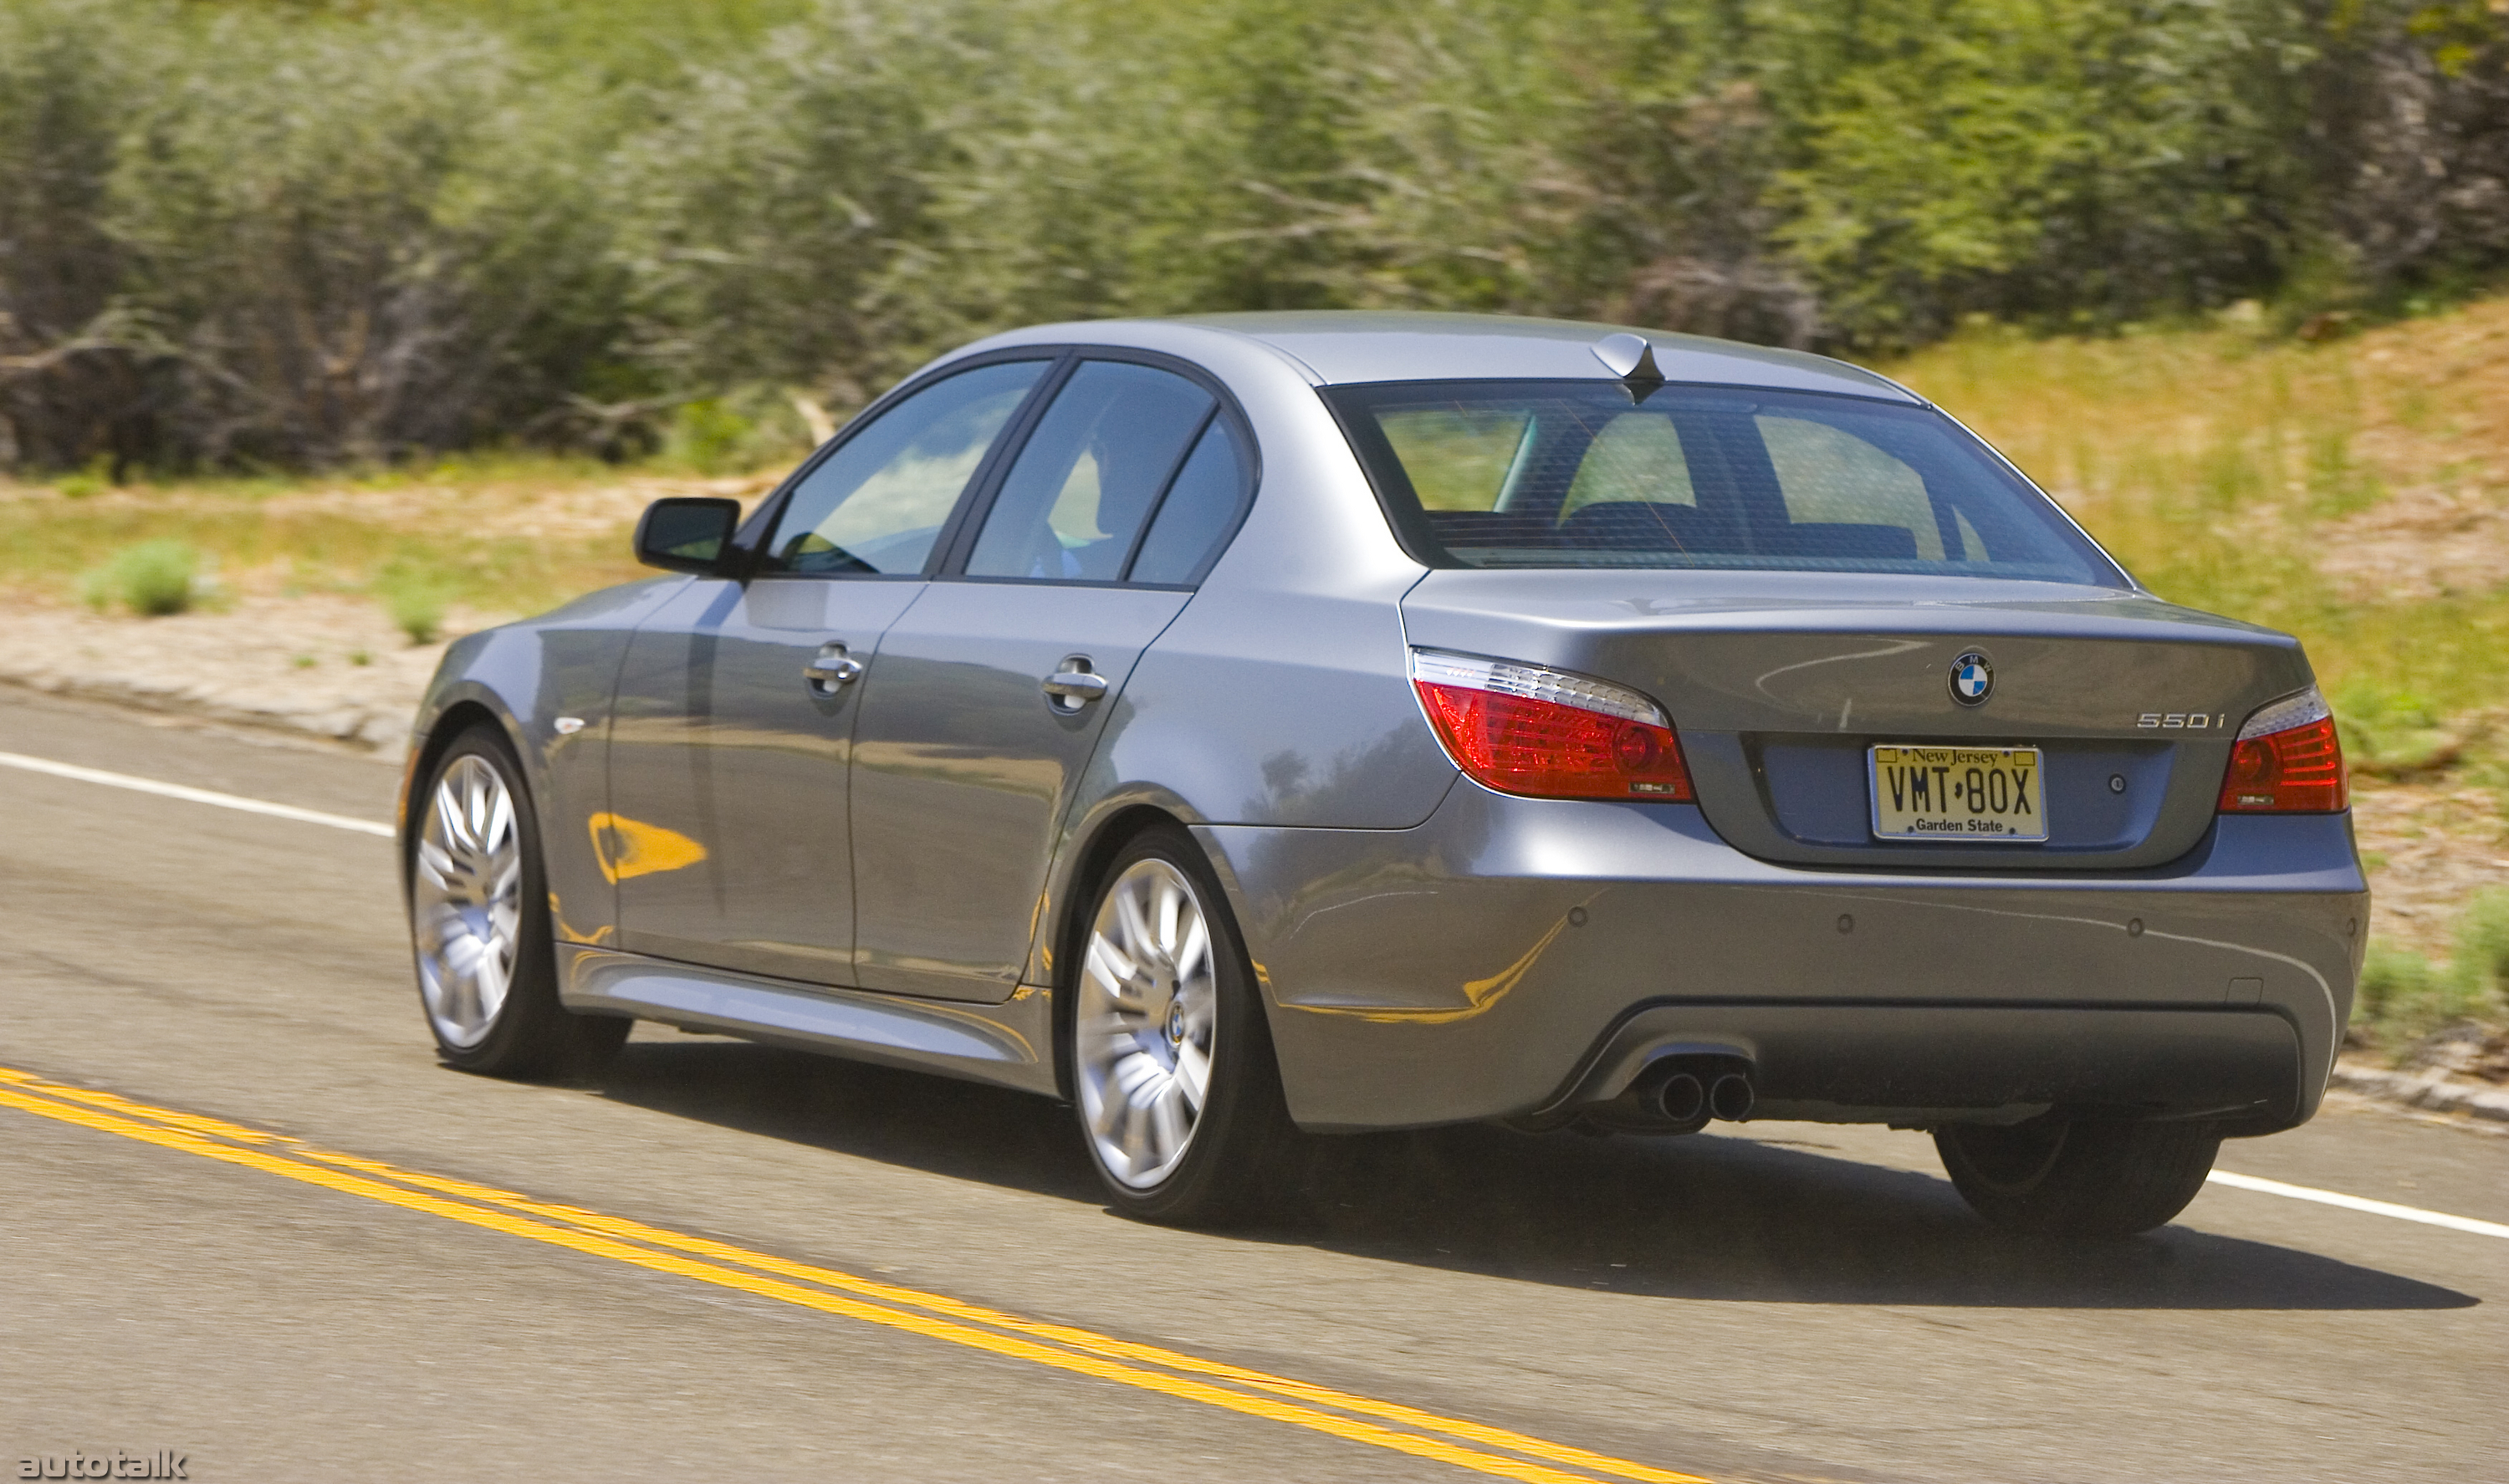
[(1800, 1302)]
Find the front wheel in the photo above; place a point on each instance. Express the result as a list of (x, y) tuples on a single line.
[(1171, 1060), (2059, 1178), (479, 923)]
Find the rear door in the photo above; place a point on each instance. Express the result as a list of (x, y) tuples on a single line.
[(990, 694), (727, 833)]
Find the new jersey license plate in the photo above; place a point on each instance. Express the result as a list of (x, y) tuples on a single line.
[(1972, 794)]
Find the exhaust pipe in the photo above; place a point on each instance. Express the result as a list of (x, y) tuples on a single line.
[(1682, 1100), (1674, 1095)]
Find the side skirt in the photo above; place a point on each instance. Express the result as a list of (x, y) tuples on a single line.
[(1010, 1044)]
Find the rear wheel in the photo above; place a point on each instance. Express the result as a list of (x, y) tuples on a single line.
[(479, 922), (2060, 1178), (1171, 1060)]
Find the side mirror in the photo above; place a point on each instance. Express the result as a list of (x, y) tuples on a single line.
[(687, 534)]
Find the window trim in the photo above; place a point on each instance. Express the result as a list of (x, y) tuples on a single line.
[(958, 539)]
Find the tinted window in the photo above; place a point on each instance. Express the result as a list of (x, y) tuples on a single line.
[(1199, 510), (878, 503), (1078, 492), (1573, 475)]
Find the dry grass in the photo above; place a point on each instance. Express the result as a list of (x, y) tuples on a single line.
[(2355, 493), (496, 536)]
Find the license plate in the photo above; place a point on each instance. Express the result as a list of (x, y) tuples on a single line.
[(1979, 795)]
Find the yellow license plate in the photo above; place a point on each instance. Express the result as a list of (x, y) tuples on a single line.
[(1979, 795)]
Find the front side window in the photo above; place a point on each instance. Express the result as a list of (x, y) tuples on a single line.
[(877, 505), (1079, 493), (1569, 475)]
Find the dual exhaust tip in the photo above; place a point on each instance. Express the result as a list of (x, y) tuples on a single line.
[(1687, 1099), (1679, 1095)]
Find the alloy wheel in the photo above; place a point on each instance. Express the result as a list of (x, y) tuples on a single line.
[(465, 901), (1145, 1023)]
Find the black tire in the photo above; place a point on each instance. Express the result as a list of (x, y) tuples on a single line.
[(2079, 1178), (1242, 1147), (528, 1034)]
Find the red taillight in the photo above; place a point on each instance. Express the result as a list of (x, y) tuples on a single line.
[(1526, 730), (2287, 761)]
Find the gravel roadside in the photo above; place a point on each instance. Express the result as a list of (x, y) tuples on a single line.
[(328, 667)]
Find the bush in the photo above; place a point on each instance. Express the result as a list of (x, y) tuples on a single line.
[(416, 600), (325, 232), (2479, 957), (737, 433), (153, 579), (67, 391), (764, 214), (2392, 733), (241, 236), (2392, 978), (351, 243), (2404, 997)]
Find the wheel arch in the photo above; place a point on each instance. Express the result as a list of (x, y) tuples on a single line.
[(446, 726)]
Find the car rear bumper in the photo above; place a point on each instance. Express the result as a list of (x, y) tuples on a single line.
[(1513, 957)]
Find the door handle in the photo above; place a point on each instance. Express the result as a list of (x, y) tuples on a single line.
[(832, 671), (1074, 686)]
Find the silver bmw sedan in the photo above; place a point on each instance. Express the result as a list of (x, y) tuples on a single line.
[(1257, 723)]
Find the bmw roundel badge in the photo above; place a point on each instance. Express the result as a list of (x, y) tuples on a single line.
[(1973, 679)]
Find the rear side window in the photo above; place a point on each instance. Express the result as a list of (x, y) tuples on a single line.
[(877, 505), (1570, 474), (1200, 509), (1083, 485)]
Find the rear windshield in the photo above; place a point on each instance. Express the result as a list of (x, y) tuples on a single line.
[(1530, 474)]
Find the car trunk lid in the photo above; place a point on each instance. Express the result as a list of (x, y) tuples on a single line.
[(1778, 684)]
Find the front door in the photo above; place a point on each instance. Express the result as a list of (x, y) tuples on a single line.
[(990, 694), (727, 833)]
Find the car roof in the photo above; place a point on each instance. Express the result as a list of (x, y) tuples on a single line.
[(1344, 347)]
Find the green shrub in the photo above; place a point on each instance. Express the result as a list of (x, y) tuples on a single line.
[(2393, 981), (63, 98), (2480, 960), (2390, 733), (2404, 997), (335, 231), (415, 599), (153, 578), (737, 433), (267, 234), (95, 479), (354, 237)]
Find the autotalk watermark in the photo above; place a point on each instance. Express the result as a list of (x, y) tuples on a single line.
[(120, 1463)]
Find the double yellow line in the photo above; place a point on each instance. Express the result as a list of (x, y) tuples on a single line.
[(1342, 1414)]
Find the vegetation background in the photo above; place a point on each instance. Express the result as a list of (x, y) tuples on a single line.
[(370, 297), (292, 231)]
